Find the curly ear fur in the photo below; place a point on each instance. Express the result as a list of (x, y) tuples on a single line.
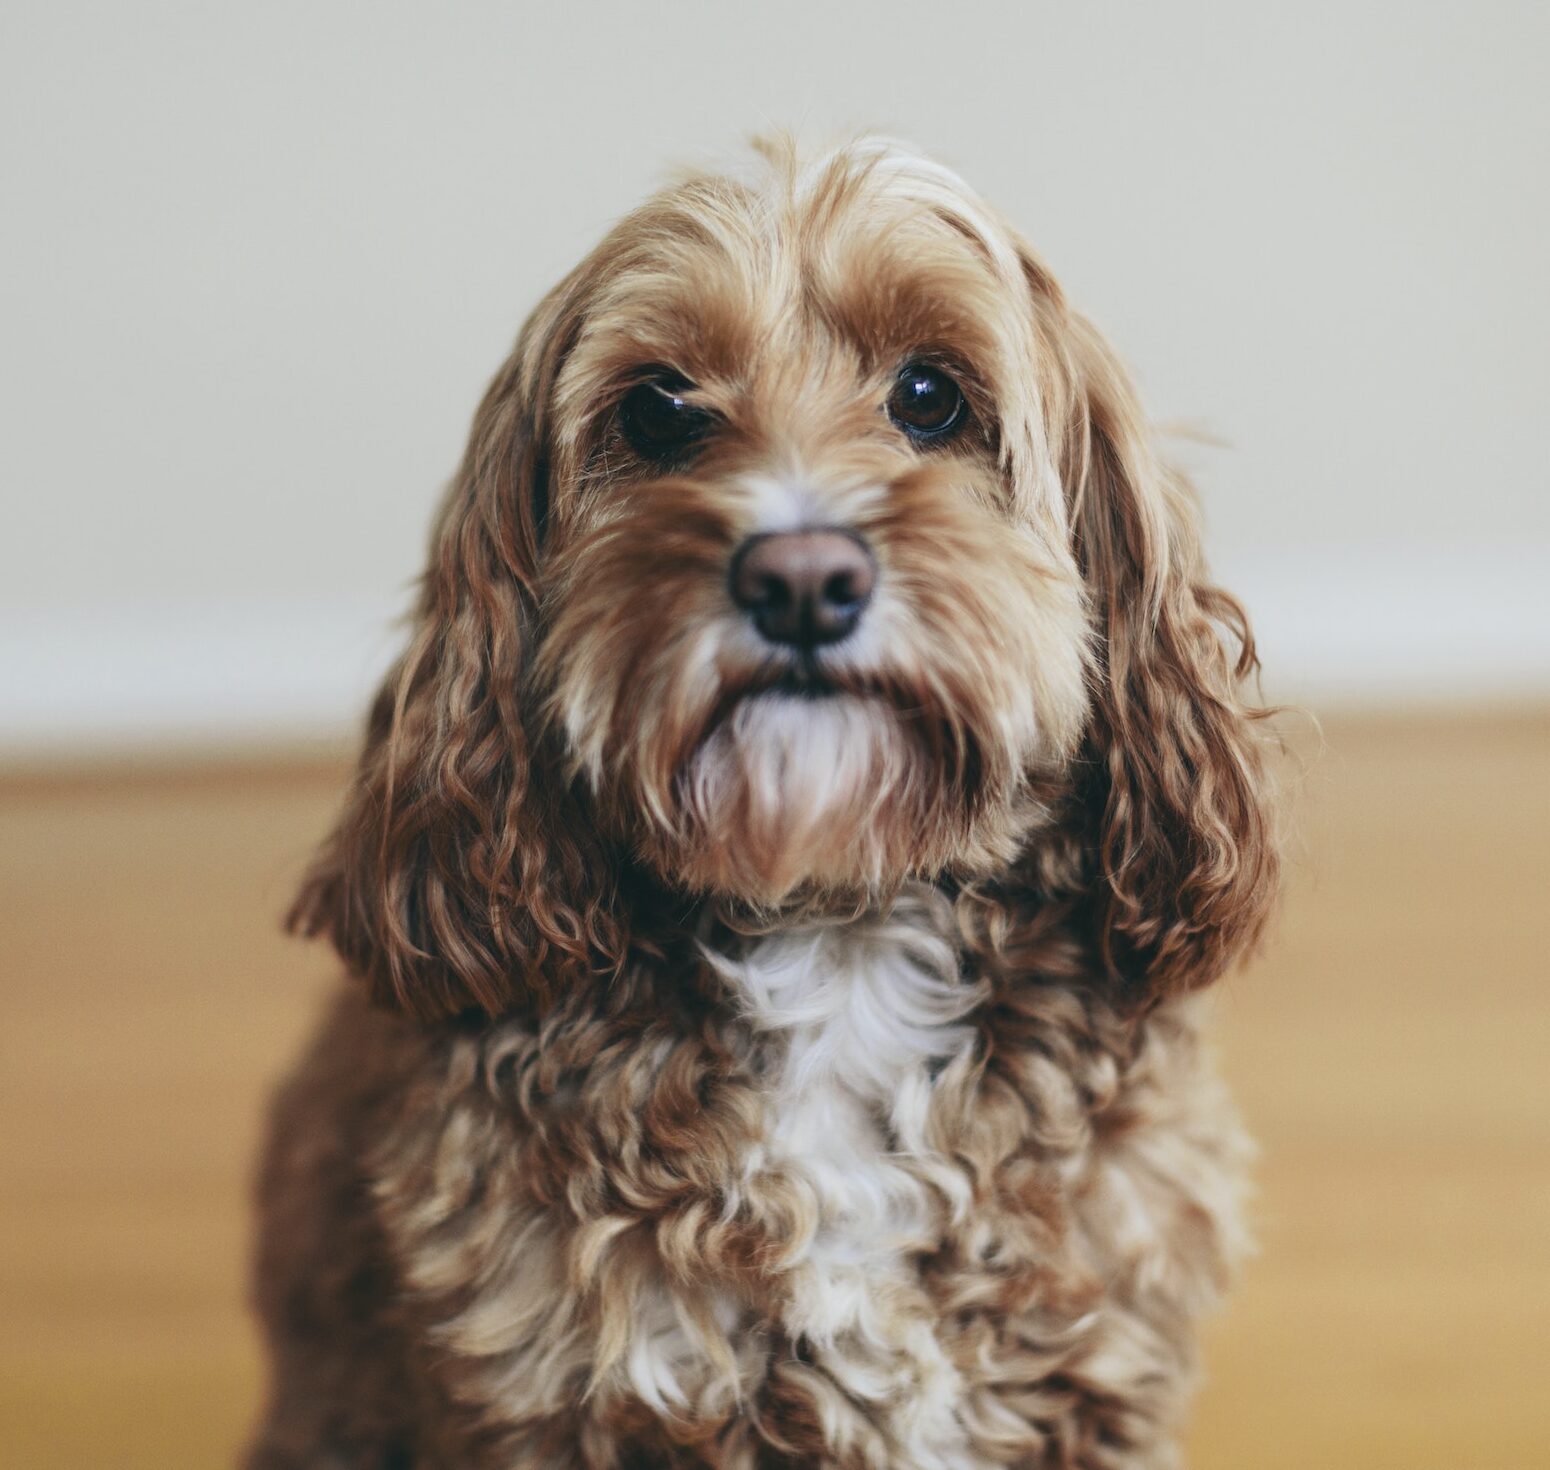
[(1173, 792), (457, 877)]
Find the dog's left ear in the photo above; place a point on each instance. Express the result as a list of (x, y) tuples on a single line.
[(1177, 802)]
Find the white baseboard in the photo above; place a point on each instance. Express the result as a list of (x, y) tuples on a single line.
[(1336, 629), (230, 674), (1422, 626)]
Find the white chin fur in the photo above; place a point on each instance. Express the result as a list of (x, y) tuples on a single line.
[(790, 790)]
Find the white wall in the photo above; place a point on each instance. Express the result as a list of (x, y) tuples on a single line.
[(258, 262)]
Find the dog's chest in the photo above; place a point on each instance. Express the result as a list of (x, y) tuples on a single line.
[(859, 1021)]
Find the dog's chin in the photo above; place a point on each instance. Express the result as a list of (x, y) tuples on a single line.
[(801, 793), (798, 791)]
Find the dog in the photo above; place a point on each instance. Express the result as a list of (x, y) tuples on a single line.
[(775, 884)]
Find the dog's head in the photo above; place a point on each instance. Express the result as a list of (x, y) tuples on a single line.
[(807, 542)]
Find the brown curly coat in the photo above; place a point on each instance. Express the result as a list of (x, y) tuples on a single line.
[(861, 1124)]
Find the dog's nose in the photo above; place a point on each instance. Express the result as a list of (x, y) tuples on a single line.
[(804, 588)]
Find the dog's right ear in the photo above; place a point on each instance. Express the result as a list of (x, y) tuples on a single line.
[(457, 877)]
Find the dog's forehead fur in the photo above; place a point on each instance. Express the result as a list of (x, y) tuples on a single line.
[(792, 294)]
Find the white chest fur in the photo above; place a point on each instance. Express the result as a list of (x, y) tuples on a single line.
[(863, 1016)]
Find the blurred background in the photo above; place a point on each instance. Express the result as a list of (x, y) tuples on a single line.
[(258, 265)]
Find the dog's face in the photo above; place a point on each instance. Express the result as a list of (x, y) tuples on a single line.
[(810, 610), (807, 542)]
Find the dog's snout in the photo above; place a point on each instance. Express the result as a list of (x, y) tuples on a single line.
[(804, 588)]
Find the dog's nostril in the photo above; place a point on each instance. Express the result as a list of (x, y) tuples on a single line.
[(773, 592), (803, 588), (840, 588)]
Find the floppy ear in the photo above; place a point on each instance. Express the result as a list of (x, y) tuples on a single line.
[(460, 876), (1177, 802)]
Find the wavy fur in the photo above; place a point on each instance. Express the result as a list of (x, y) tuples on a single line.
[(745, 1080)]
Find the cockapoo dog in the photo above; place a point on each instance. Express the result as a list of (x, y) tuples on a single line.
[(774, 882)]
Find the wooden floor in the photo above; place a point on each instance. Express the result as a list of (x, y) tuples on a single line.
[(1392, 1051)]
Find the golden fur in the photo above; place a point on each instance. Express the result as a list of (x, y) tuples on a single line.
[(749, 1079)]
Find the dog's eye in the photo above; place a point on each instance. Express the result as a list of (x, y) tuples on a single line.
[(658, 420), (925, 402)]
